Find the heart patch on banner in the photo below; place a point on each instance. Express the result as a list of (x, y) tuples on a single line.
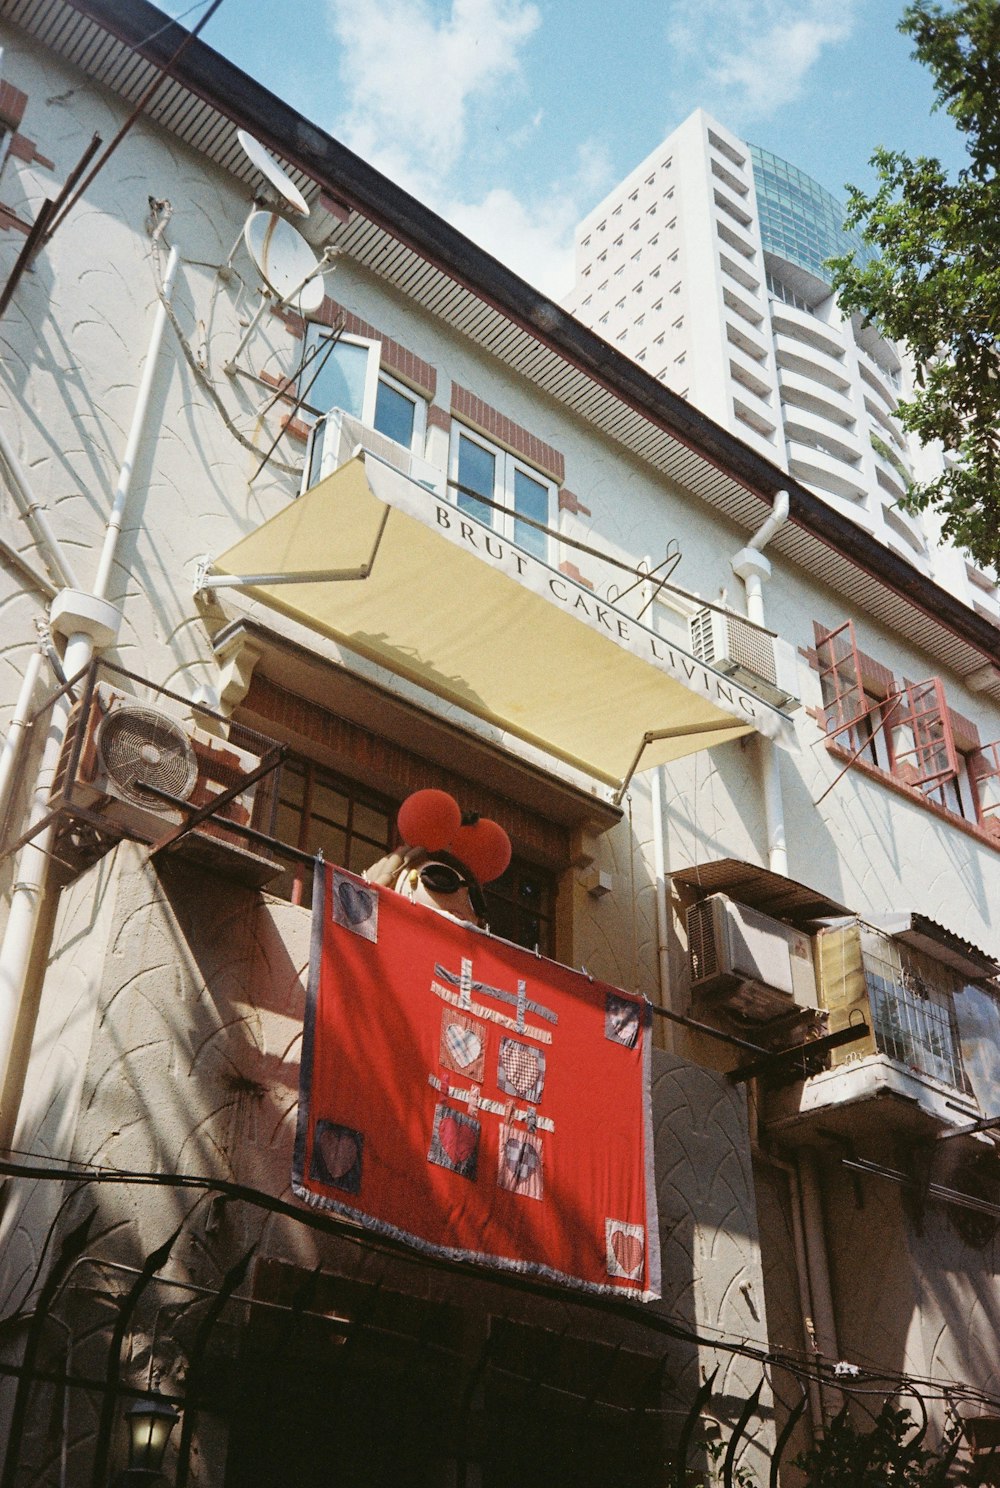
[(337, 1156), (626, 1247), (463, 1045), (455, 1141), (355, 906), (521, 1070)]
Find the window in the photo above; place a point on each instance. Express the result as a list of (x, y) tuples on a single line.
[(912, 1001), (984, 769), (319, 809), (355, 827), (483, 469), (350, 377), (906, 731)]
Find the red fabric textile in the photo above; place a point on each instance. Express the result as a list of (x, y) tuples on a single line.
[(472, 1098)]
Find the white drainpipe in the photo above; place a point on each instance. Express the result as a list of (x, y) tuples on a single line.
[(660, 880), (753, 568), (15, 734), (34, 515), (89, 623), (106, 562)]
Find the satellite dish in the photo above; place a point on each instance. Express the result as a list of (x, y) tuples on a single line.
[(285, 261), (273, 173)]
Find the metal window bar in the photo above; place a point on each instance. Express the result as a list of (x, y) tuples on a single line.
[(931, 757), (839, 665), (912, 1008)]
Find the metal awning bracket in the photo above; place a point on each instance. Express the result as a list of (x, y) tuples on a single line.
[(206, 582), (653, 735)]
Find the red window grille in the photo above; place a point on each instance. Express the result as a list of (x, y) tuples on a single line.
[(921, 740), (839, 666), (984, 772)]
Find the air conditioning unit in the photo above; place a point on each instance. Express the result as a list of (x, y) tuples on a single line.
[(339, 435), (125, 747), (747, 962), (751, 656)]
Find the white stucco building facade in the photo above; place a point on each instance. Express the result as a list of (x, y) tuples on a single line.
[(816, 757)]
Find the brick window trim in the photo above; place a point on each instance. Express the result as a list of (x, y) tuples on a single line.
[(569, 568), (984, 835), (569, 502), (25, 149), (12, 105), (405, 365), (394, 770), (438, 417), (504, 431), (10, 219)]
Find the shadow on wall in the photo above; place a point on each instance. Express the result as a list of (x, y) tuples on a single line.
[(167, 1042)]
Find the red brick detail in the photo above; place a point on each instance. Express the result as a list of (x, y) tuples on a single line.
[(411, 369), (438, 417), (335, 208), (876, 677), (10, 219), (569, 502), (397, 772), (496, 425), (25, 149), (572, 572), (292, 319), (295, 428), (284, 385), (12, 105), (914, 794)]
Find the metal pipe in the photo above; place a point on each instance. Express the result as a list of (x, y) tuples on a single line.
[(29, 884), (767, 529), (34, 515), (660, 882), (750, 565), (819, 1267), (790, 1174), (136, 431), (16, 734), (42, 584)]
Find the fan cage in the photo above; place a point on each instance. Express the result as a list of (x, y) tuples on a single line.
[(140, 747)]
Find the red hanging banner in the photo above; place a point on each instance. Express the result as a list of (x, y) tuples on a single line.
[(472, 1099)]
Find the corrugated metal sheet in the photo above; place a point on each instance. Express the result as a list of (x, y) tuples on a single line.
[(761, 889), (85, 44)]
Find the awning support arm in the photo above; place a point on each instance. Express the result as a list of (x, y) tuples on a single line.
[(205, 581), (654, 735)]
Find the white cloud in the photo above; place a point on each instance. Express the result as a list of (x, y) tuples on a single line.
[(751, 57), (426, 85), (412, 71), (535, 239)]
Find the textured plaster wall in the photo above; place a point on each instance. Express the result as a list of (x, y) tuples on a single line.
[(168, 1040), (73, 343)]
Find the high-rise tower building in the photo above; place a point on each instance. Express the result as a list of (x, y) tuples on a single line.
[(707, 266)]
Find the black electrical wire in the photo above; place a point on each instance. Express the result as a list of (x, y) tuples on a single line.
[(865, 1382)]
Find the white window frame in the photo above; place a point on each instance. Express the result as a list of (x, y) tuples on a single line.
[(505, 468), (375, 374)]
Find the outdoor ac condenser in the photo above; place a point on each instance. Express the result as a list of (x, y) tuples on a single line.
[(747, 962), (731, 645), (126, 746)]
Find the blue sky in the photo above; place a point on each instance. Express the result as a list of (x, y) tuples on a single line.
[(512, 118)]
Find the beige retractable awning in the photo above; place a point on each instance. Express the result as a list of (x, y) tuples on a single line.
[(400, 575)]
